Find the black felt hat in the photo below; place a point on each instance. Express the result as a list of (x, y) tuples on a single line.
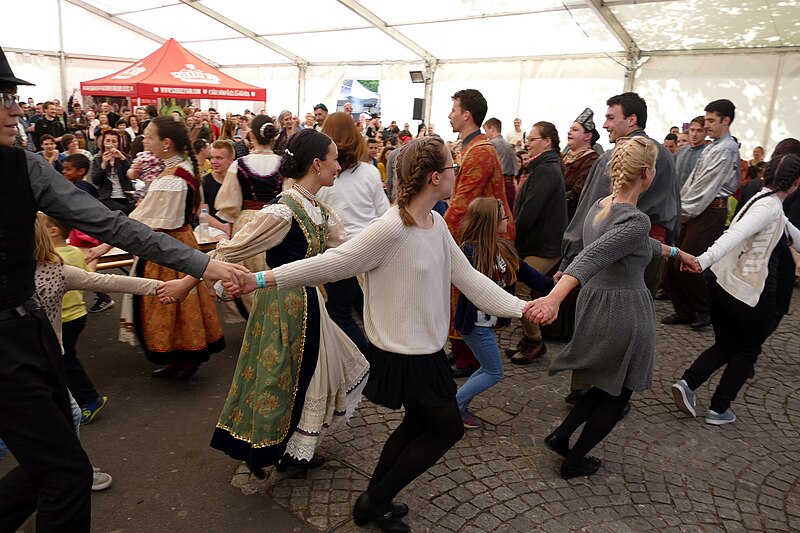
[(7, 75)]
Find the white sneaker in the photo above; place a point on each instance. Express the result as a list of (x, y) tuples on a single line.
[(100, 480)]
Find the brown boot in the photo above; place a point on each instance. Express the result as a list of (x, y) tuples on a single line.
[(529, 350)]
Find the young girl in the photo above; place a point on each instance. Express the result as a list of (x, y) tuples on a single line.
[(614, 340), (742, 292), (497, 259), (311, 376), (409, 260)]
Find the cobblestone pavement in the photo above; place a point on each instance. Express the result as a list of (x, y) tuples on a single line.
[(661, 470)]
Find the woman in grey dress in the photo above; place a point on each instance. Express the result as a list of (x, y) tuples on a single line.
[(613, 298)]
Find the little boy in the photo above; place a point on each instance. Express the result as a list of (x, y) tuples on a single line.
[(73, 318), (76, 166)]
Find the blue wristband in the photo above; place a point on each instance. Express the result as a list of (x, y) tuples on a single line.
[(261, 281), (673, 251)]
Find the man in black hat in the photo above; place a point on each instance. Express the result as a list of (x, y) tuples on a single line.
[(320, 114), (54, 476)]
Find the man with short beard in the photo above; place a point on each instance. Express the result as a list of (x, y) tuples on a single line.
[(49, 125)]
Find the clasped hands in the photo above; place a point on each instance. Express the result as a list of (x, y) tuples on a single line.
[(542, 310), (234, 278), (689, 263)]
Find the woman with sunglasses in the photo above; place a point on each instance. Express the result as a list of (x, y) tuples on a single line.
[(409, 260), (540, 212)]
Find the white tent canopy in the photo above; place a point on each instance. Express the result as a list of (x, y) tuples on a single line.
[(536, 59)]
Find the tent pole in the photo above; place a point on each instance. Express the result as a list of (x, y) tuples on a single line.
[(301, 90), (772, 100), (430, 70), (62, 58)]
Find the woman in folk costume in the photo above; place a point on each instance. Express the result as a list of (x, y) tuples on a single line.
[(252, 182), (298, 373), (179, 337)]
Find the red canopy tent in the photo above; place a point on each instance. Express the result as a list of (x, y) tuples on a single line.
[(173, 72)]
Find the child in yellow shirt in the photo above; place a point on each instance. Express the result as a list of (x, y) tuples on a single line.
[(73, 321)]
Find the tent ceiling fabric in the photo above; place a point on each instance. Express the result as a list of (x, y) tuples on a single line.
[(373, 31)]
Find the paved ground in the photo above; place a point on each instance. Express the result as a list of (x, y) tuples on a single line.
[(662, 471)]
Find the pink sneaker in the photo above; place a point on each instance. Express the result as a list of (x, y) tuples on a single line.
[(470, 420)]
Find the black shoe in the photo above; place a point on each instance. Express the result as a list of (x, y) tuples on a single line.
[(288, 461), (459, 372), (701, 321), (187, 370), (399, 510), (675, 319), (364, 512), (573, 396), (165, 371), (557, 444), (258, 472), (662, 296), (586, 467), (625, 410)]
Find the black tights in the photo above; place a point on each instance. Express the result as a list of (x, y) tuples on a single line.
[(421, 439), (600, 411)]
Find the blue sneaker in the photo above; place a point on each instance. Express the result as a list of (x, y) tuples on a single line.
[(684, 398), (89, 411), (720, 419)]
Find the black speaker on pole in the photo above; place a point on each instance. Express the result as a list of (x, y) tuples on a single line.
[(419, 108)]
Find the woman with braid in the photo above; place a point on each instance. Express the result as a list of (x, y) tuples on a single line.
[(179, 337), (742, 291), (613, 297), (409, 259)]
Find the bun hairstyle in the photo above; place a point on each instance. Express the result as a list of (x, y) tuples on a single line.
[(631, 156), (263, 130), (174, 128), (415, 161), (302, 149)]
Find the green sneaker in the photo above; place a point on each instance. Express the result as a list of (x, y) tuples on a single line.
[(89, 411)]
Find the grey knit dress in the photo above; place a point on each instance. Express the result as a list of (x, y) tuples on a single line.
[(615, 332)]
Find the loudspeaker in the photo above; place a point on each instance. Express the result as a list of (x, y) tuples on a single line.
[(419, 109)]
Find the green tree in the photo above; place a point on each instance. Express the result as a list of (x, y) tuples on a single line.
[(372, 85)]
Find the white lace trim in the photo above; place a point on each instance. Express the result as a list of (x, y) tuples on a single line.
[(313, 210), (168, 183), (281, 210)]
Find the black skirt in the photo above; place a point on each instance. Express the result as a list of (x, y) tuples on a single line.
[(397, 380)]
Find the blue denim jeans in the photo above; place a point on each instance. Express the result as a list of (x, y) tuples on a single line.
[(483, 343)]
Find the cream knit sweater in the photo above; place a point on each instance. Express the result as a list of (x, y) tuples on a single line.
[(408, 271)]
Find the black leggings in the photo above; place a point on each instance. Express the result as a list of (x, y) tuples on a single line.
[(600, 411), (421, 439)]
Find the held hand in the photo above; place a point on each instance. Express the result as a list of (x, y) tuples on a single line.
[(235, 290), (97, 252), (689, 263), (557, 277), (544, 310), (218, 270), (173, 291)]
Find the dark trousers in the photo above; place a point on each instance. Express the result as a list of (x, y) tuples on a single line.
[(344, 297), (54, 477), (687, 289), (78, 381), (119, 204), (739, 333)]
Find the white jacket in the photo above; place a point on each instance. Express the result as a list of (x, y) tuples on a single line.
[(740, 257)]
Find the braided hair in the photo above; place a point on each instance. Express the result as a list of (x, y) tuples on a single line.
[(174, 128), (780, 175), (415, 161), (631, 156)]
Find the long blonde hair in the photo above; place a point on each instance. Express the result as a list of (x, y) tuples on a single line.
[(631, 156), (44, 251), (415, 161), (479, 228)]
